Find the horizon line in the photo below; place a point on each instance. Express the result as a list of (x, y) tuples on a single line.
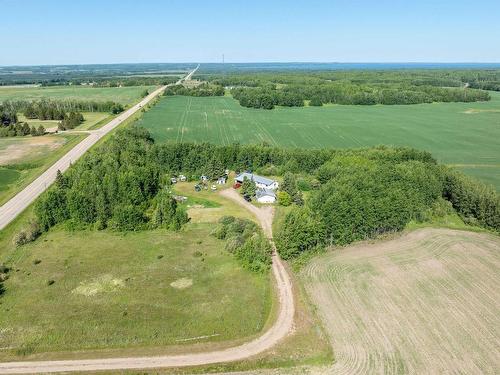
[(262, 62)]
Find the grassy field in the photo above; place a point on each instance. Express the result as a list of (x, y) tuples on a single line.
[(463, 134), (425, 302), (143, 289), (22, 159), (123, 95), (144, 293), (92, 120)]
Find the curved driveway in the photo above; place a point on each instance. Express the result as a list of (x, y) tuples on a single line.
[(271, 337)]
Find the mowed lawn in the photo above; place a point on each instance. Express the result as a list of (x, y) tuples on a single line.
[(425, 303), (123, 95), (463, 134), (139, 290)]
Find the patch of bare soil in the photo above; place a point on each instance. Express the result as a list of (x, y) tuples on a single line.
[(29, 147), (426, 302)]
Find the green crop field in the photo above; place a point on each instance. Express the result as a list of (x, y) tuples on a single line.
[(463, 134), (123, 95)]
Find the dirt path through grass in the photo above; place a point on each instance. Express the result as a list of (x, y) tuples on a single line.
[(279, 330)]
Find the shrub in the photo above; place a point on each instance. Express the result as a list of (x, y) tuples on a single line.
[(284, 198), (28, 234), (245, 241), (301, 231)]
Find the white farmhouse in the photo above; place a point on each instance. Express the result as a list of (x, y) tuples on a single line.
[(260, 182)]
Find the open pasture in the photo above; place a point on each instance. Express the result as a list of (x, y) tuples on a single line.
[(463, 134), (427, 302), (123, 95), (139, 290)]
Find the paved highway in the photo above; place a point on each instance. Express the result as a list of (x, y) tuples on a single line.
[(24, 198)]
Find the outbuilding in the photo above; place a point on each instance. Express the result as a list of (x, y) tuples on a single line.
[(260, 182), (265, 196)]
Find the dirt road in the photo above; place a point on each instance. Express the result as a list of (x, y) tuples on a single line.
[(271, 337), (25, 197)]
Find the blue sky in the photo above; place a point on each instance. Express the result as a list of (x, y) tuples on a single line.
[(113, 31)]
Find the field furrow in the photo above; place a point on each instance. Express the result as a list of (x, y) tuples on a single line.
[(427, 302)]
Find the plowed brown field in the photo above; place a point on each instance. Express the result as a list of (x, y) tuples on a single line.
[(427, 302)]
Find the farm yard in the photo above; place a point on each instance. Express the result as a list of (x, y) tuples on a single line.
[(123, 95), (450, 131), (425, 302)]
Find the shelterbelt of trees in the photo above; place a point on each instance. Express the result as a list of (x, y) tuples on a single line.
[(266, 90), (11, 127), (202, 90), (355, 194), (50, 109)]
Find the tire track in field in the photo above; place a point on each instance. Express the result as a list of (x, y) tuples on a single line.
[(427, 302)]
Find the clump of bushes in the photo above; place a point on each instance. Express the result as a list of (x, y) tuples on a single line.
[(71, 121), (28, 234), (4, 271), (476, 202), (246, 242)]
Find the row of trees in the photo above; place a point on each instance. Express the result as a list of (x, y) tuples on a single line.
[(50, 109), (266, 98), (476, 78), (350, 94), (201, 90), (21, 129)]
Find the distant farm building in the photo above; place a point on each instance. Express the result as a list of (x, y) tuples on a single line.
[(260, 182)]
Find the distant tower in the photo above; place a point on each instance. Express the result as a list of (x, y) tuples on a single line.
[(223, 67)]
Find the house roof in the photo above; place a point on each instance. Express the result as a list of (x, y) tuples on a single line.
[(257, 179), (265, 193)]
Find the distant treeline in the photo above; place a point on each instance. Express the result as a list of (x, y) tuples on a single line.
[(268, 89), (51, 109), (101, 74), (115, 81), (351, 94), (356, 194), (201, 90)]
